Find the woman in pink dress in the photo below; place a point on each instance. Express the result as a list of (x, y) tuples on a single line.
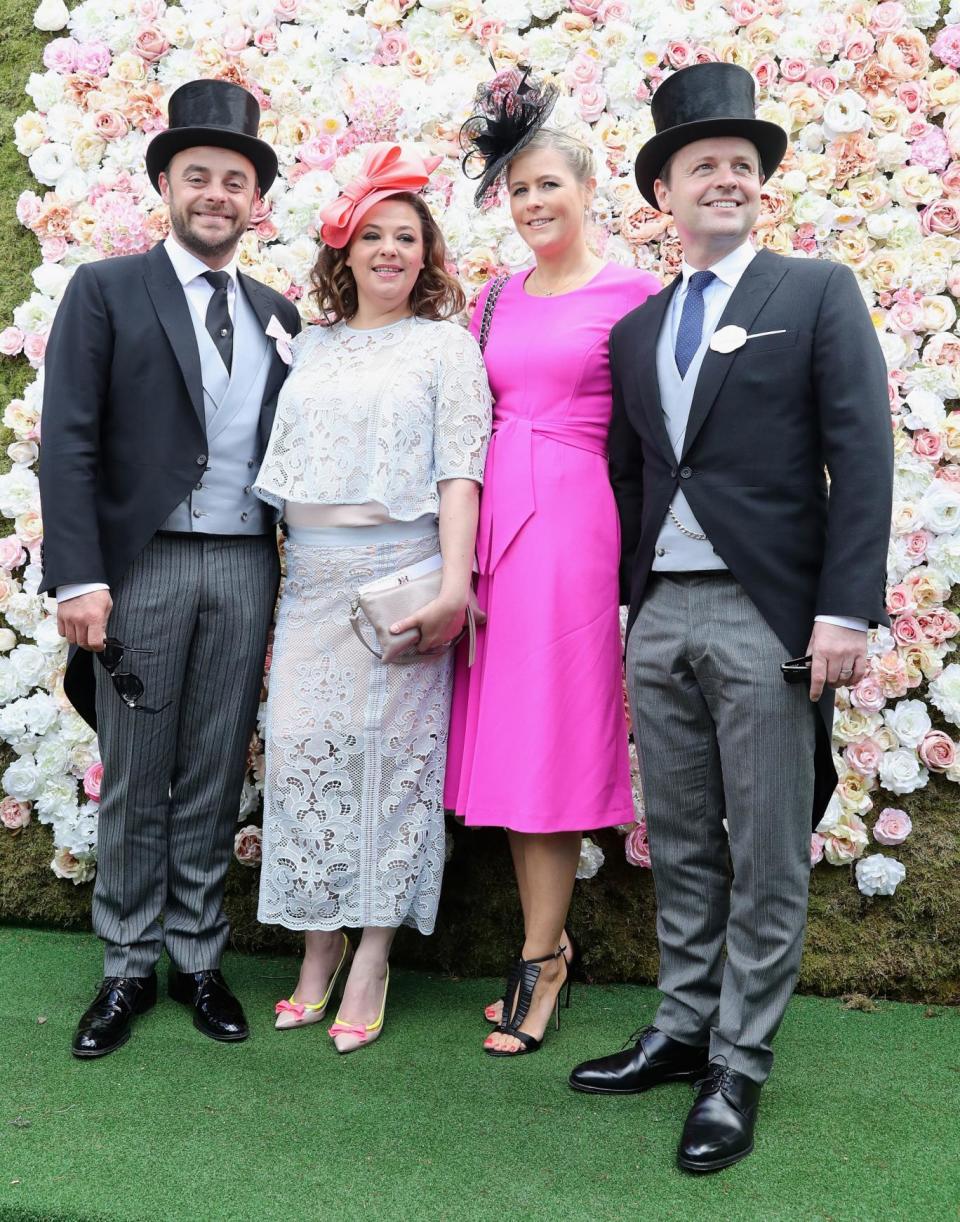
[(538, 740)]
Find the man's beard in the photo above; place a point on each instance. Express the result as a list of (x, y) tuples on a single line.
[(203, 247)]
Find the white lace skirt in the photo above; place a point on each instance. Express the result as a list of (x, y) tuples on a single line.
[(353, 831)]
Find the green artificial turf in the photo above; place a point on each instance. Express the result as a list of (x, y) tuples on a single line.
[(860, 1120)]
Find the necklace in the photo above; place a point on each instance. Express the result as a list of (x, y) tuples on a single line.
[(564, 286)]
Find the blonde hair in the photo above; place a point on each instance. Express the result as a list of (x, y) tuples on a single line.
[(577, 155)]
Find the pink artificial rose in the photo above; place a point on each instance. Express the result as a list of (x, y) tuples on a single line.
[(487, 29), (890, 671), (938, 751), (949, 474), (793, 70), (582, 70), (393, 44), (266, 231), (942, 216), (14, 815), (613, 10), (93, 58), (939, 626), (151, 44), (816, 848), (914, 95), (678, 53), (824, 81), (34, 346), (53, 249), (928, 445), (743, 11), (950, 178), (110, 124), (929, 148), (586, 8), (30, 529), (864, 757), (892, 826), (906, 316), (234, 39), (60, 55), (868, 695), (11, 341), (92, 780), (591, 100), (859, 46), (917, 544), (765, 71), (320, 153), (265, 40), (28, 209), (946, 46), (12, 554), (248, 846), (636, 848), (887, 17), (286, 10), (149, 11), (906, 630)]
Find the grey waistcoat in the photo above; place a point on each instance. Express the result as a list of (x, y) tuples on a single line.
[(223, 503), (675, 553)]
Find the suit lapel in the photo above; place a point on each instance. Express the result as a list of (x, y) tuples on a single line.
[(170, 303), (645, 367), (263, 307), (756, 284)]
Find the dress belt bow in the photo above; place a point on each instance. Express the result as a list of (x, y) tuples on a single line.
[(508, 477)]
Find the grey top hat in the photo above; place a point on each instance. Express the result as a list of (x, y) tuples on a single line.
[(218, 113), (701, 101)]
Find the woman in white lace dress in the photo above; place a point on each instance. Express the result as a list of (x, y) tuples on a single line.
[(375, 457)]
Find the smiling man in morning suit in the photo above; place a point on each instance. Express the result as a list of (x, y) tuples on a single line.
[(735, 388), (160, 387)]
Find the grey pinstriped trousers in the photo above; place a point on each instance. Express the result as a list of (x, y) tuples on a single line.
[(721, 736), (172, 782)]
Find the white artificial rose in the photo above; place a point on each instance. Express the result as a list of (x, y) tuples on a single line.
[(24, 453), (22, 779), (901, 771), (944, 692), (940, 508), (50, 162), (51, 279), (53, 758), (853, 725), (41, 713), (927, 411), (74, 729), (29, 131), (8, 640), (944, 552), (34, 314), (24, 612), (591, 858), (29, 664), (845, 112), (51, 15), (909, 721), (76, 869), (879, 875), (45, 89)]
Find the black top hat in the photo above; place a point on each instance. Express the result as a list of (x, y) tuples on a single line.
[(701, 101), (218, 113)]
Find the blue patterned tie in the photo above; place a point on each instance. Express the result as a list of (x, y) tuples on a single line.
[(690, 330)]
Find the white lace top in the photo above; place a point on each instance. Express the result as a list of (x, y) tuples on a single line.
[(379, 415)]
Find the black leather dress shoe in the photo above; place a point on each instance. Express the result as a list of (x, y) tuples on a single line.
[(106, 1023), (719, 1128), (216, 1012), (655, 1058)]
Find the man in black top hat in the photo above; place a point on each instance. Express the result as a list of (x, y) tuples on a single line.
[(734, 389), (162, 374)]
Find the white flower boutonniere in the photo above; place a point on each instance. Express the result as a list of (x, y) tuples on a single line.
[(284, 339)]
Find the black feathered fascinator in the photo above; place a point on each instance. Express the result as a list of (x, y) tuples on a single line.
[(510, 110)]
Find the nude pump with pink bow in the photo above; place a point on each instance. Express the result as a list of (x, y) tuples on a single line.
[(292, 1013), (348, 1036)]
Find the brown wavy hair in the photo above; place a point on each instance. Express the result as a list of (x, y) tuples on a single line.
[(435, 295)]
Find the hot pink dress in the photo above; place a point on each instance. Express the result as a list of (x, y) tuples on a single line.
[(538, 737)]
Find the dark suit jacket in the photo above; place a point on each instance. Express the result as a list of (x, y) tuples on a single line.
[(765, 422), (123, 429)]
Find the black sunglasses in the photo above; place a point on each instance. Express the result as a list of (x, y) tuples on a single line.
[(128, 686)]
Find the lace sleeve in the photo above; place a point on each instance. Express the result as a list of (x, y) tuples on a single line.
[(463, 410)]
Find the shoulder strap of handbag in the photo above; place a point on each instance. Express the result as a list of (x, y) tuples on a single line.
[(488, 307)]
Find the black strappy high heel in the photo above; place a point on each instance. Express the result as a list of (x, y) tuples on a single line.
[(522, 980), (573, 964)]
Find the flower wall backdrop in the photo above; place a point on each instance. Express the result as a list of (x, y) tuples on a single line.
[(870, 94)]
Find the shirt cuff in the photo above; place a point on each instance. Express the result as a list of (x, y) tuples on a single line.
[(76, 588), (843, 621)]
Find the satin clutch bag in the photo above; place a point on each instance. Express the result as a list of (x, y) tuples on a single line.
[(383, 602)]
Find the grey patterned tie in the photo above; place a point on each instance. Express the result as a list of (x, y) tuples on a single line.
[(690, 331), (217, 320)]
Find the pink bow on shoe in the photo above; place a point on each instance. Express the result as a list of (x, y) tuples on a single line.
[(290, 1007), (360, 1032)]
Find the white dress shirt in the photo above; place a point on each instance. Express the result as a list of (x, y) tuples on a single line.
[(189, 271), (717, 293)]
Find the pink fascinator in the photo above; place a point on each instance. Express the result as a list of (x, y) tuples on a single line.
[(386, 170)]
